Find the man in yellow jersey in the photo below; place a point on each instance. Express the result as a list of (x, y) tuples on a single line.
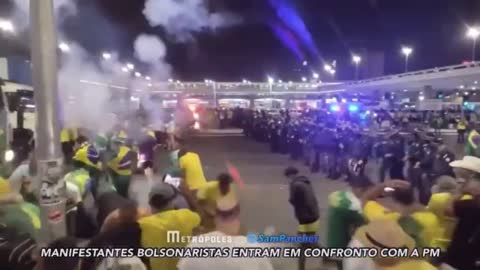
[(157, 228), (121, 165), (192, 170), (415, 219)]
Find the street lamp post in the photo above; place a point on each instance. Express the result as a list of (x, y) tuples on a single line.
[(270, 84), (473, 33), (47, 147), (356, 60), (406, 51)]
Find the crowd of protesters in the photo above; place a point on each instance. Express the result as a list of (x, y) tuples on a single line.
[(394, 211)]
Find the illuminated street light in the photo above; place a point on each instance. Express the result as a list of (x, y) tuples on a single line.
[(407, 51), (304, 79), (106, 55), (333, 71), (150, 85), (270, 80), (473, 33), (138, 74), (356, 59), (244, 81), (316, 76), (305, 63), (328, 68), (7, 26), (130, 66), (148, 78), (125, 69), (64, 47), (280, 81), (170, 80)]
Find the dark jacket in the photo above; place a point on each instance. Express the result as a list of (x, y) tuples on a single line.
[(303, 200)]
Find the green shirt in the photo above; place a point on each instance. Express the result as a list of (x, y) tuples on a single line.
[(344, 215), (23, 216)]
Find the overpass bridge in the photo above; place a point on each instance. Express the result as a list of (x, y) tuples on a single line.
[(464, 76)]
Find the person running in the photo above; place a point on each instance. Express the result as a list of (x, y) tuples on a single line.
[(146, 151)]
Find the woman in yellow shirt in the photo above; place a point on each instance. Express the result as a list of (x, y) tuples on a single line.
[(210, 193)]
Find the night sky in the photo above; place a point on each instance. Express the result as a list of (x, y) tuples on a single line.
[(434, 28)]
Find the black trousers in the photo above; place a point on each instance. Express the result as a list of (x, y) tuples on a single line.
[(302, 259)]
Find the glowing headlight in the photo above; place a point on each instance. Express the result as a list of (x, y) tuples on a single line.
[(195, 116), (197, 125), (9, 155)]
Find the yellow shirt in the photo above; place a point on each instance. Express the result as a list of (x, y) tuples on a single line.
[(192, 166), (64, 135), (429, 221), (412, 265), (437, 205), (155, 229), (210, 191), (122, 162)]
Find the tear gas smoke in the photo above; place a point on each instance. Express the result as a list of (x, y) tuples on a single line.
[(151, 50), (181, 18), (63, 9), (89, 105), (83, 104)]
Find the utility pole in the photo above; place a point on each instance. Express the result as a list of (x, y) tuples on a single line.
[(47, 147)]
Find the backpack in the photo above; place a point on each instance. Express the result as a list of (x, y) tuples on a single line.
[(16, 249)]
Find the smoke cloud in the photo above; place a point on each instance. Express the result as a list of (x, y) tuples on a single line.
[(182, 18), (63, 9), (85, 104), (151, 50), (83, 77)]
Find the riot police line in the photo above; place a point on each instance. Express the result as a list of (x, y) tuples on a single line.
[(341, 148)]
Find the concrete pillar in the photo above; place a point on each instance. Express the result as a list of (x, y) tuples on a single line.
[(252, 103)]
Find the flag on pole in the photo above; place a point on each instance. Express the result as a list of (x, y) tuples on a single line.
[(233, 171)]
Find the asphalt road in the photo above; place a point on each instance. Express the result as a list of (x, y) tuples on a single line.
[(264, 200)]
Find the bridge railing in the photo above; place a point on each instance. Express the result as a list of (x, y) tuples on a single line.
[(280, 87), (416, 73)]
